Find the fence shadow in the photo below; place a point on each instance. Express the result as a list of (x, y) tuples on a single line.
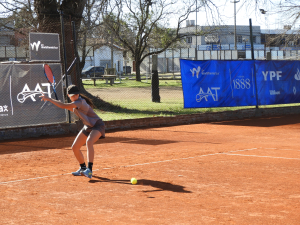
[(64, 142), (36, 144), (264, 122)]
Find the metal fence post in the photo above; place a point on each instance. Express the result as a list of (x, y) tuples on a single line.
[(252, 55), (173, 62), (64, 55), (251, 39)]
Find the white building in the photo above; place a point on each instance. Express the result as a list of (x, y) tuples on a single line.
[(221, 37), (6, 35), (103, 56)]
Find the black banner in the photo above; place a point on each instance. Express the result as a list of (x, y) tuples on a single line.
[(44, 47), (20, 88)]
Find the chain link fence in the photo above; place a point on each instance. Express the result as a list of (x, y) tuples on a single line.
[(24, 80), (13, 53), (109, 72)]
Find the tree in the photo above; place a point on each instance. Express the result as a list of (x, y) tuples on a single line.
[(49, 16), (18, 17), (91, 34), (44, 16), (139, 25), (288, 35)]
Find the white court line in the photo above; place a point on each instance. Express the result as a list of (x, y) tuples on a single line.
[(263, 156), (285, 149), (34, 178), (169, 160), (290, 150), (140, 164)]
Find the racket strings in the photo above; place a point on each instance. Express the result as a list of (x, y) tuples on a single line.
[(49, 73)]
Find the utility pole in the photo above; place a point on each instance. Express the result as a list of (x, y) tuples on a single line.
[(234, 2), (196, 52)]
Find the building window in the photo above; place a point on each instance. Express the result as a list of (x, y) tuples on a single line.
[(212, 39), (239, 39), (189, 40)]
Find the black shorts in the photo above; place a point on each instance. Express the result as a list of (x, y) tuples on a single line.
[(99, 125)]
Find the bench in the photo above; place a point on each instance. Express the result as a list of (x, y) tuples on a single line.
[(110, 78)]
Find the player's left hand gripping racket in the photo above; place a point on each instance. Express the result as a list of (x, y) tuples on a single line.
[(50, 77)]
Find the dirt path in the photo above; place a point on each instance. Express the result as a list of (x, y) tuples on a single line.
[(109, 94)]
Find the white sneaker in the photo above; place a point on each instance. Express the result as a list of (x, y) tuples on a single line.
[(78, 172), (88, 173)]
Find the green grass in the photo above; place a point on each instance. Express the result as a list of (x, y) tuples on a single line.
[(140, 113), (162, 109), (130, 108), (130, 83)]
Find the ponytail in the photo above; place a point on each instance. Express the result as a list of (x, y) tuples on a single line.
[(88, 100)]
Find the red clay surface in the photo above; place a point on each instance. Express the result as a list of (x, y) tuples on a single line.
[(235, 172)]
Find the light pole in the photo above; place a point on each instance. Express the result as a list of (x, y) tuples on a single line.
[(267, 36), (235, 1), (264, 12), (196, 52)]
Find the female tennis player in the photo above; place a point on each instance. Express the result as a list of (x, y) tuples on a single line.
[(92, 130)]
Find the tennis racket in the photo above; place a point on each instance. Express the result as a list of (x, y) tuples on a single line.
[(50, 77)]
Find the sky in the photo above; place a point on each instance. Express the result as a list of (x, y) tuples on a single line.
[(270, 20)]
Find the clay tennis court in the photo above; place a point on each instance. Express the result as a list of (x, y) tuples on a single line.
[(232, 172)]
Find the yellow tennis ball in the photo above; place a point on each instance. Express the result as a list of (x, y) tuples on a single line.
[(133, 180)]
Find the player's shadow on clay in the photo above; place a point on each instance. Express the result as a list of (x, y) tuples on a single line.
[(161, 186)]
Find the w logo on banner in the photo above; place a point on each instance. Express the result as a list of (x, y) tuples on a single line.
[(197, 71), (297, 75), (36, 45)]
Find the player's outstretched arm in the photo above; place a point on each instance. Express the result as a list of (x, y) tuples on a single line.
[(68, 106)]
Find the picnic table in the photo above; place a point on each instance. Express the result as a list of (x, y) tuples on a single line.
[(110, 78)]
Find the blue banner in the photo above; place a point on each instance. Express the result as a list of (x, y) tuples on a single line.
[(216, 83), (278, 82)]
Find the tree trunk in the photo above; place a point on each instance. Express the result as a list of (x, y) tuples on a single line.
[(138, 70), (48, 15), (155, 80)]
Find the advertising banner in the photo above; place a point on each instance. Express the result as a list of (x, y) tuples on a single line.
[(44, 47), (278, 82), (216, 83), (20, 88)]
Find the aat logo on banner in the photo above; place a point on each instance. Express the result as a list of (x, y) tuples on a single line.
[(297, 75), (204, 95), (27, 93)]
